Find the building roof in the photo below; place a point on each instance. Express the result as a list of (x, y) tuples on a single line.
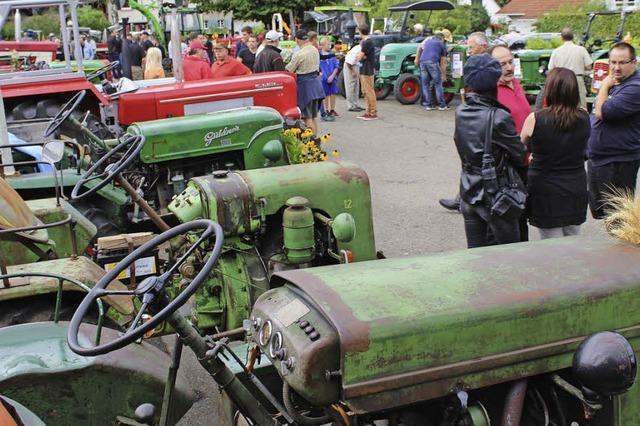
[(533, 9)]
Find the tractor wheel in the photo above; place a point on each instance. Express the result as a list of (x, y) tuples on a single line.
[(407, 89), (383, 91)]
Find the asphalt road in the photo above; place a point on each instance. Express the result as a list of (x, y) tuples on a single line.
[(411, 161)]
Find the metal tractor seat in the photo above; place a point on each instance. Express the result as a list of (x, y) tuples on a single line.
[(15, 213), (393, 332)]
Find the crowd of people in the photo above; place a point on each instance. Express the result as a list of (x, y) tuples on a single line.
[(547, 148)]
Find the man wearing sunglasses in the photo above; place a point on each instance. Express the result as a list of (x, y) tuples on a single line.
[(614, 145)]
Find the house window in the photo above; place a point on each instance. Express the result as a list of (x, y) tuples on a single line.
[(624, 4)]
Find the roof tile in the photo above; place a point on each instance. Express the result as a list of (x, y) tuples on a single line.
[(533, 9)]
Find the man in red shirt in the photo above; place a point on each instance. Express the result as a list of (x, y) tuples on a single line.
[(225, 65), (194, 65), (510, 92)]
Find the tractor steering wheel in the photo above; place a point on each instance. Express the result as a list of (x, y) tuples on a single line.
[(103, 70), (64, 113), (133, 144), (150, 290)]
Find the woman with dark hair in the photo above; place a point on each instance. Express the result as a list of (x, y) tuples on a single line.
[(481, 75), (557, 137)]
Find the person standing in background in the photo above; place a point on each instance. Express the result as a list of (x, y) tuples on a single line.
[(366, 57), (270, 59), (248, 56), (351, 75), (306, 65), (574, 57), (194, 65), (245, 32), (136, 53), (153, 64), (329, 68), (431, 57)]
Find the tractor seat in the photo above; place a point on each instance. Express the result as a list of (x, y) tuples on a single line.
[(14, 213)]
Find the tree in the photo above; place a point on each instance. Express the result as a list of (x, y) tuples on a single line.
[(92, 18), (259, 10)]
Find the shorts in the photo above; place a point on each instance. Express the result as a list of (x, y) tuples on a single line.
[(311, 109)]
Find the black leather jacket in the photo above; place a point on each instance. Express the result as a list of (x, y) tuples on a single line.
[(471, 122)]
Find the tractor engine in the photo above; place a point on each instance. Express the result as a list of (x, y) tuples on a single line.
[(274, 219)]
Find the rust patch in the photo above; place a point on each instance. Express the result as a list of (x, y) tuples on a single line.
[(350, 173), (354, 334)]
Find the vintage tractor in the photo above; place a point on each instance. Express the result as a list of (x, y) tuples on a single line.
[(398, 70), (396, 31), (529, 334)]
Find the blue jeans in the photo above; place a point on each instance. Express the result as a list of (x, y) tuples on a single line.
[(430, 73)]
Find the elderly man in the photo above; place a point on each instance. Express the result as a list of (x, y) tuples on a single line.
[(477, 44), (306, 65), (270, 58), (574, 57), (225, 65), (614, 145)]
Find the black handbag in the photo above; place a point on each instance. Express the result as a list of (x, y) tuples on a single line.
[(505, 194)]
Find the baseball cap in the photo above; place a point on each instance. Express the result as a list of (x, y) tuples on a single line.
[(273, 35), (195, 44), (301, 34), (482, 72)]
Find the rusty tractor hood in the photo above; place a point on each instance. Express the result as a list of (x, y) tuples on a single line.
[(15, 213), (81, 268), (412, 329)]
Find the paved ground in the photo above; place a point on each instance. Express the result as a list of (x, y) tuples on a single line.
[(411, 161)]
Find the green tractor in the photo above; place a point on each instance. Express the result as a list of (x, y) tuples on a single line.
[(398, 70), (536, 333)]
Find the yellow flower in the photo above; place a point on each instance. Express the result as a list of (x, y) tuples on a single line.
[(325, 138), (335, 153)]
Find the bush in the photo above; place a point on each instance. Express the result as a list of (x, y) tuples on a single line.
[(541, 44), (92, 18)]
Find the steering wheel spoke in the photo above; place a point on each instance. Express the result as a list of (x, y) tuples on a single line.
[(65, 112), (133, 145), (150, 290)]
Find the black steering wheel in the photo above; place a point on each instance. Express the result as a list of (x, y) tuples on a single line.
[(150, 290), (64, 113), (103, 70), (133, 145)]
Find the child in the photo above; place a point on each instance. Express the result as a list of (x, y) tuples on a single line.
[(329, 67)]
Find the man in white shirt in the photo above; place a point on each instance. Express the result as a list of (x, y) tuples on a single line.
[(574, 57), (351, 75)]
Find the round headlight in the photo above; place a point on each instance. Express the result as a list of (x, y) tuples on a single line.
[(276, 345), (264, 335)]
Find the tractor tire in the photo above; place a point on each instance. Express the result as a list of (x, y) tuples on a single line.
[(383, 92), (407, 89)]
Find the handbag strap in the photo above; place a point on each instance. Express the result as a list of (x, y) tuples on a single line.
[(488, 137)]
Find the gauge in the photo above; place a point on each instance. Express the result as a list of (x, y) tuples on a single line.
[(276, 345), (264, 335)]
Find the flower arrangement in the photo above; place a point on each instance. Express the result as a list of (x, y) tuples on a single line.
[(304, 147)]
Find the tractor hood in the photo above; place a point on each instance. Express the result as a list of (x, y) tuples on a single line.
[(206, 134), (404, 330)]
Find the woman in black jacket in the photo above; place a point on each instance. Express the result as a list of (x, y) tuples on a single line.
[(481, 75)]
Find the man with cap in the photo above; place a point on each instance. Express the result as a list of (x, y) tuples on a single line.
[(269, 59), (225, 65), (481, 75), (194, 65), (306, 65)]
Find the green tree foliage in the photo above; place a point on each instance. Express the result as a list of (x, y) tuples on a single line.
[(259, 10), (461, 20), (49, 22), (92, 18)]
